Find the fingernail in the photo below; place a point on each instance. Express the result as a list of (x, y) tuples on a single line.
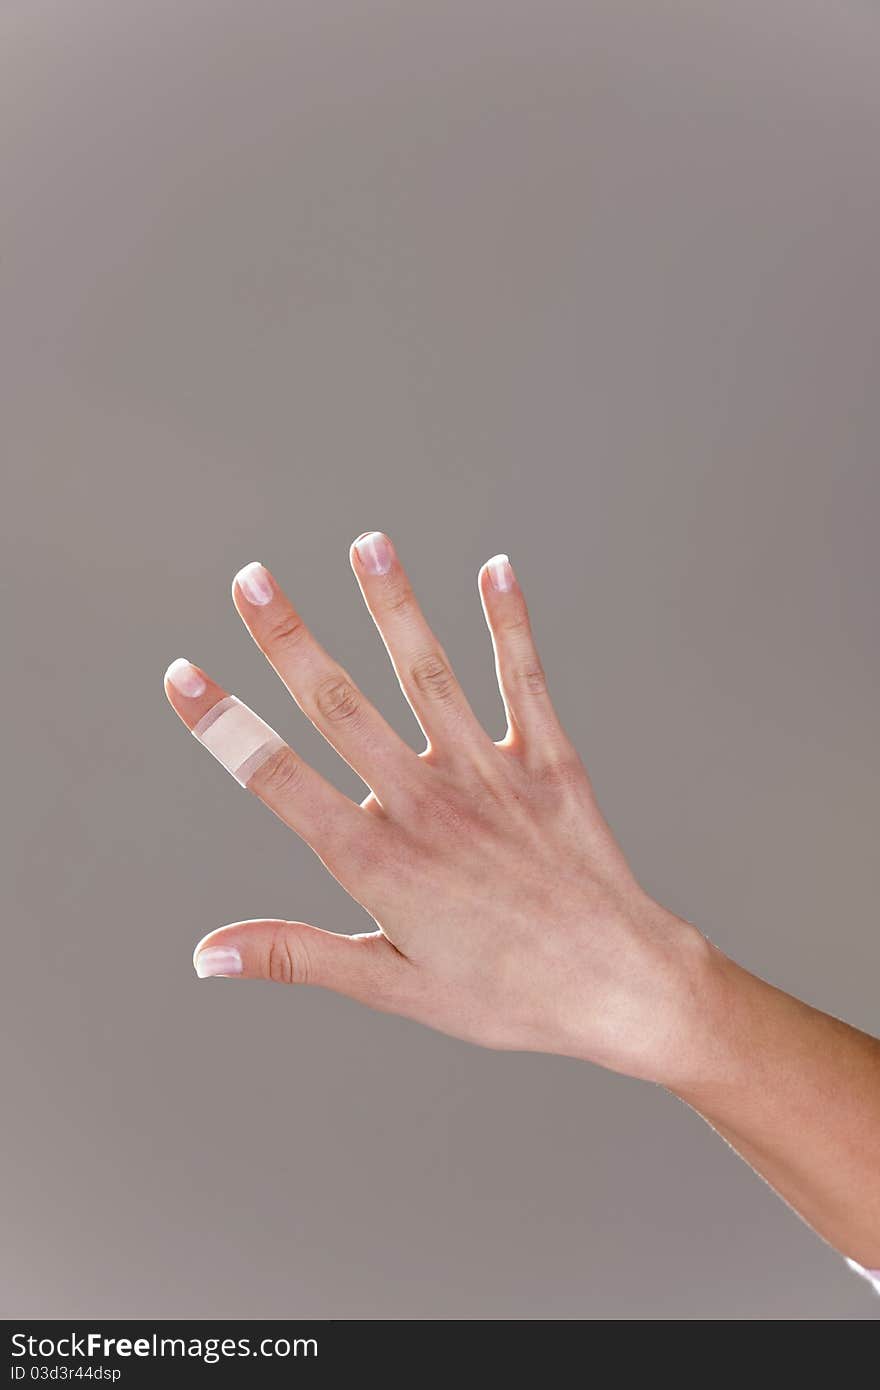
[(374, 552), (186, 679), (500, 573), (218, 960), (255, 584)]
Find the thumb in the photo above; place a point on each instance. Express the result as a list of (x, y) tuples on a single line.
[(365, 967)]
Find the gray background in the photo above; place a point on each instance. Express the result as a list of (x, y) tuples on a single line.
[(594, 283)]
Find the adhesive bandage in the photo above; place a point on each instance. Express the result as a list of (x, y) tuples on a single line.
[(238, 738)]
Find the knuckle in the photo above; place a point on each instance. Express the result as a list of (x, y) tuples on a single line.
[(287, 631), (455, 814), (563, 774), (529, 676), (398, 598), (432, 677), (373, 860), (337, 700), (280, 775), (516, 622), (287, 963)]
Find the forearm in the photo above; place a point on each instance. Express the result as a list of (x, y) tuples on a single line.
[(797, 1094)]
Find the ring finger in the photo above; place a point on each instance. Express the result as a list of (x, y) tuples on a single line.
[(426, 678)]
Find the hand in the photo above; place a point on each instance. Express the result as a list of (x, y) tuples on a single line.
[(506, 912)]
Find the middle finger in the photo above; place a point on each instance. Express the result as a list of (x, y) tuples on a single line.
[(426, 678)]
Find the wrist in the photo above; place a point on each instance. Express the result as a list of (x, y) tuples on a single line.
[(725, 1010), (698, 994), (696, 1032), (662, 1017)]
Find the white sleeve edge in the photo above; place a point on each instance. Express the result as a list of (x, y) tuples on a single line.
[(872, 1275)]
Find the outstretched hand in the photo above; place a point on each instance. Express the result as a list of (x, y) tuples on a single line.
[(506, 912)]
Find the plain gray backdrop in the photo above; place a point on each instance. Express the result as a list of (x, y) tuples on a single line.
[(594, 283)]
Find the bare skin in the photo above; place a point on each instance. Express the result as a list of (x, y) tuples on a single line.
[(507, 914)]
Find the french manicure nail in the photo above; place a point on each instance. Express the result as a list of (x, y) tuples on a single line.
[(374, 552), (500, 573), (218, 960), (186, 679), (255, 584)]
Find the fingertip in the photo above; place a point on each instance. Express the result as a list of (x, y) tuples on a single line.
[(190, 691), (213, 961), (497, 575), (254, 584), (184, 679), (352, 549), (372, 553), (223, 944)]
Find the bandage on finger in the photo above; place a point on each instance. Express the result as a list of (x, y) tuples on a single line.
[(238, 738)]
